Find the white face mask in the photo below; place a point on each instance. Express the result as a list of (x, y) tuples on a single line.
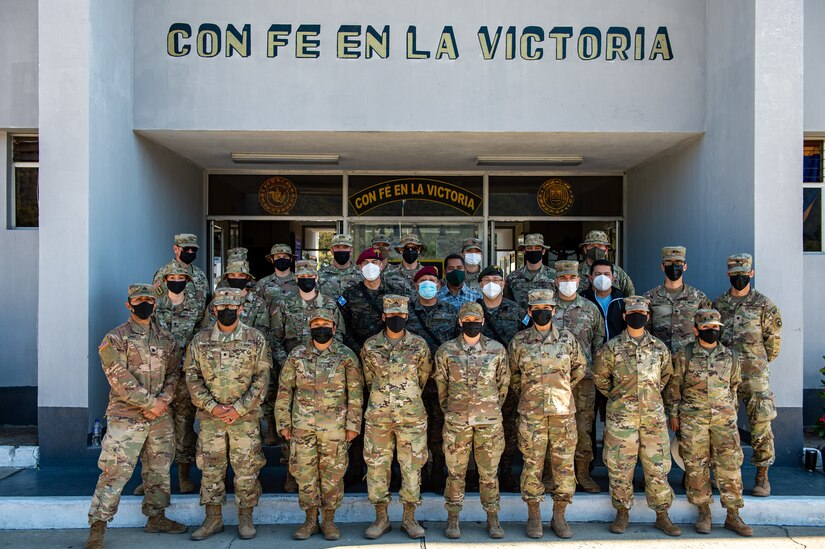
[(371, 271), (602, 283), (568, 288), (491, 290), (472, 258)]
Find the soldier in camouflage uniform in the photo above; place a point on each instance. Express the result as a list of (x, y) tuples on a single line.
[(272, 286), (701, 400), (596, 245), (141, 362), (397, 364), (472, 376), (582, 318), (227, 370), (533, 275), (437, 322), (400, 277), (674, 304), (471, 250), (381, 243), (186, 249), (546, 365), (254, 313), (342, 272), (319, 407), (753, 328), (632, 370), (236, 255)]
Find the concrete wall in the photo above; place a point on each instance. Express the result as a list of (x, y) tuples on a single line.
[(814, 66), (18, 64)]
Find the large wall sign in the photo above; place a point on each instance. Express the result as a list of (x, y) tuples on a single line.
[(430, 190)]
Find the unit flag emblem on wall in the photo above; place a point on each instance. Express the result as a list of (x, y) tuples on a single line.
[(555, 197), (277, 195)]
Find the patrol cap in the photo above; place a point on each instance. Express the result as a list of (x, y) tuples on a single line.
[(596, 237), (280, 249), (341, 239), (176, 269), (236, 254), (395, 303), (234, 267), (470, 308), (707, 316), (306, 267), (673, 253), (227, 296), (369, 253), (408, 239), (429, 270), (636, 303), (491, 270), (740, 263), (567, 267), (533, 239), (186, 240), (541, 296), (320, 312), (470, 243), (141, 290), (380, 238)]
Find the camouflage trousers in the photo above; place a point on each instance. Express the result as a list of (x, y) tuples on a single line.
[(243, 440), (712, 442), (630, 437), (435, 419), (509, 411), (409, 441), (127, 440), (761, 409), (539, 437), (487, 443), (183, 414), (318, 461)]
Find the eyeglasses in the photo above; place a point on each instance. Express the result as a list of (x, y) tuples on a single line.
[(224, 307)]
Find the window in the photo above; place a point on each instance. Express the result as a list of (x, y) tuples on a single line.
[(23, 207), (812, 180)]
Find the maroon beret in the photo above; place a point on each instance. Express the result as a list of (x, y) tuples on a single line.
[(369, 253), (425, 271)]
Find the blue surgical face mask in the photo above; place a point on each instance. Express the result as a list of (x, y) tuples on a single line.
[(427, 289)]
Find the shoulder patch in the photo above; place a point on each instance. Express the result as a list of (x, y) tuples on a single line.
[(526, 320), (159, 290), (104, 344), (342, 301)]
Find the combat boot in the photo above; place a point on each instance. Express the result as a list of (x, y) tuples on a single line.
[(494, 526), (409, 524), (735, 523), (664, 524), (704, 520), (212, 524), (96, 532), (452, 531), (506, 481), (619, 524), (381, 525), (583, 478), (309, 527), (534, 527), (331, 532), (139, 490), (159, 524), (184, 482), (761, 487), (290, 484), (246, 526), (558, 523)]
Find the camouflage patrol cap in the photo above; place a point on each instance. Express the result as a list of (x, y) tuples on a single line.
[(141, 290), (533, 239), (542, 296), (236, 254), (470, 308), (408, 239), (280, 249), (306, 267), (491, 270), (740, 263), (176, 269), (341, 239), (596, 237), (237, 267), (395, 303), (380, 238), (323, 313), (470, 243), (227, 296), (636, 303), (673, 253), (707, 316), (186, 240), (566, 267)]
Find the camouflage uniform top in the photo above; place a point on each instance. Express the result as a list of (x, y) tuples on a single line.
[(621, 280), (181, 320), (395, 376), (752, 328), (671, 318), (472, 381), (509, 318), (254, 313), (471, 280), (704, 382), (401, 279), (520, 282), (545, 370), (320, 390), (197, 289), (333, 281), (290, 323), (228, 368), (581, 317), (441, 319), (272, 287), (141, 365), (632, 374), (361, 309)]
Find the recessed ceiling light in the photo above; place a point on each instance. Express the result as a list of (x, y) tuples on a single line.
[(526, 160), (271, 158)]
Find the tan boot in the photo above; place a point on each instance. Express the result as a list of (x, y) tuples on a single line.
[(534, 527), (246, 525), (409, 524), (184, 482), (290, 485), (664, 524), (619, 524), (331, 532), (139, 490), (309, 527), (381, 525), (704, 520), (96, 532), (761, 488), (735, 523), (494, 526), (453, 531), (583, 478), (212, 524), (159, 524), (558, 523)]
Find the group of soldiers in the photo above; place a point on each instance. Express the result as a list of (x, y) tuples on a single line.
[(360, 364)]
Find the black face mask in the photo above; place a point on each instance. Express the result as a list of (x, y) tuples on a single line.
[(710, 335), (636, 320), (533, 256), (176, 286), (143, 310), (674, 272), (456, 278), (282, 263), (321, 334), (542, 317), (739, 281), (471, 329), (396, 323), (188, 257), (409, 255), (341, 258), (227, 317), (596, 253), (237, 283), (306, 284)]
